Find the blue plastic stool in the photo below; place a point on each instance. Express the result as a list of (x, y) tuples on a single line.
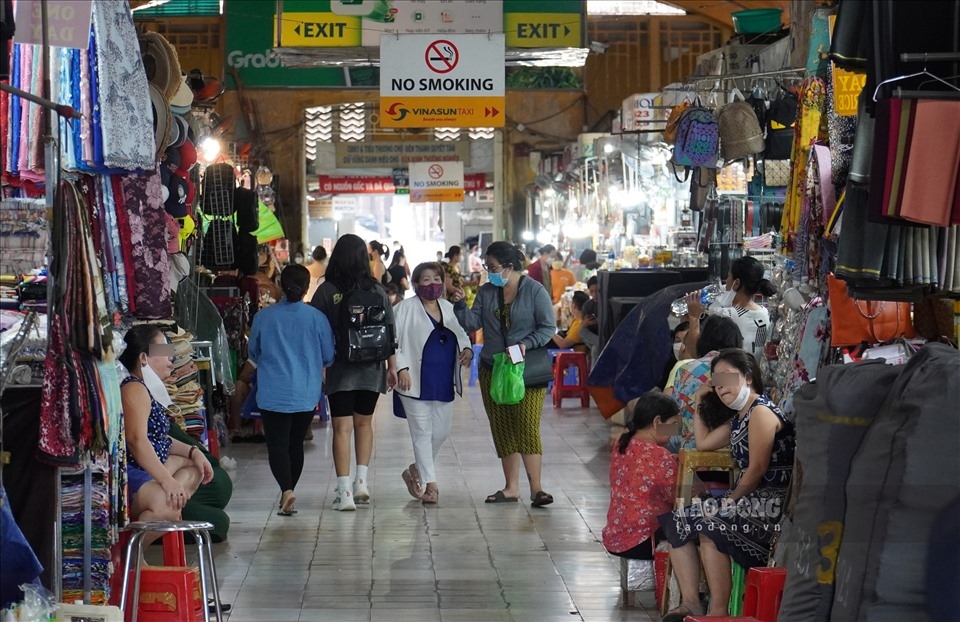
[(475, 365)]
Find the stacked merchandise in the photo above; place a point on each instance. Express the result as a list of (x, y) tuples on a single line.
[(73, 510), (9, 301), (23, 235), (184, 389)]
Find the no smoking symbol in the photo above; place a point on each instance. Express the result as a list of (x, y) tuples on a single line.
[(435, 171), (442, 56)]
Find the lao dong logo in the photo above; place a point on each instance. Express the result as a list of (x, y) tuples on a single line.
[(238, 60)]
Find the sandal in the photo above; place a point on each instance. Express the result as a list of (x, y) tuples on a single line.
[(499, 497), (212, 606), (541, 499), (286, 504), (413, 486), (679, 614), (430, 495)]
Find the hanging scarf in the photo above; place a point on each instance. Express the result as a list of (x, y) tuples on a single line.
[(126, 118)]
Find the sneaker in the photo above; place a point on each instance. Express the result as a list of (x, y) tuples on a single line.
[(344, 501), (361, 494)]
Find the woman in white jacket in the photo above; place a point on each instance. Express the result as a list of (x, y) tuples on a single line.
[(432, 346)]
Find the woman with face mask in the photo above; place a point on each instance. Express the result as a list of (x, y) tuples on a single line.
[(743, 283), (162, 472), (512, 310), (432, 348), (743, 523)]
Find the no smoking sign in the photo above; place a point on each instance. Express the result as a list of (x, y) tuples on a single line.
[(442, 56), (435, 171)]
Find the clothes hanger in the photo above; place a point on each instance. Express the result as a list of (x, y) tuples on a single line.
[(924, 72)]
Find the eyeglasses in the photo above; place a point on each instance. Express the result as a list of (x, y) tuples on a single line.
[(490, 268)]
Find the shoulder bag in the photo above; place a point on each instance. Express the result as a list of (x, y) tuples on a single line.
[(538, 366)]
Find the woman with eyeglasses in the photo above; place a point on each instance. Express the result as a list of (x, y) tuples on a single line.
[(432, 348), (741, 526), (512, 310), (162, 473)]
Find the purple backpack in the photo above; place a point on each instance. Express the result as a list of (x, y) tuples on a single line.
[(698, 140)]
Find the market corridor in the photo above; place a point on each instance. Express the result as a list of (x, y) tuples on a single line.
[(396, 560)]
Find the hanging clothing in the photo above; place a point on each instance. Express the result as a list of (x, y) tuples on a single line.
[(125, 111)]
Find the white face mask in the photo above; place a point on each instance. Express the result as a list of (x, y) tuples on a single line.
[(156, 386), (726, 298), (741, 400), (677, 350)]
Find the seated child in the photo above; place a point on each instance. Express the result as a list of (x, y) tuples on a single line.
[(642, 477)]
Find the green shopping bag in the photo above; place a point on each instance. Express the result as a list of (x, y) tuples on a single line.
[(506, 387)]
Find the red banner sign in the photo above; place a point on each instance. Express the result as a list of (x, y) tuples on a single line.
[(337, 184)]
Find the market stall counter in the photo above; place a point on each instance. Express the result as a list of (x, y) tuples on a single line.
[(622, 290)]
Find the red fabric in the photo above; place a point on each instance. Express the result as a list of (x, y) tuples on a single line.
[(535, 272), (126, 246), (642, 486), (931, 172)]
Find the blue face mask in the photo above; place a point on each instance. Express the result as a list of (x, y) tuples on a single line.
[(497, 279)]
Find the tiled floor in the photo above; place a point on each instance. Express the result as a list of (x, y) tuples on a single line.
[(395, 560)]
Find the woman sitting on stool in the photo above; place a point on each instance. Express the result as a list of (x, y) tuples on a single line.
[(162, 472), (643, 477)]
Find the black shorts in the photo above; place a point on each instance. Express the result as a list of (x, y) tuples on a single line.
[(349, 403)]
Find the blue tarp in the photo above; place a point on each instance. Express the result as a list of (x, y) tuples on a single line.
[(637, 353)]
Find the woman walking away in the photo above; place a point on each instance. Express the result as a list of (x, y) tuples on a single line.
[(432, 347), (354, 386), (512, 310), (643, 478), (290, 344)]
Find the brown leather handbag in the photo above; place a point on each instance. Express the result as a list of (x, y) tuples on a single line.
[(673, 121), (853, 322)]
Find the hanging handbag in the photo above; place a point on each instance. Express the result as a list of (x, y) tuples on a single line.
[(776, 173), (538, 364), (670, 131), (853, 322)]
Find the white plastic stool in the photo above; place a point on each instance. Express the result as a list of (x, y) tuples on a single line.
[(200, 531)]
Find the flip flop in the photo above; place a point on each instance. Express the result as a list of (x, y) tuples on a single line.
[(286, 507), (499, 497), (541, 499), (679, 614), (212, 606)]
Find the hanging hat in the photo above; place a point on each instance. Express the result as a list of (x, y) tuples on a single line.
[(188, 156), (183, 98), (187, 228), (176, 203), (161, 119), (178, 133), (194, 133), (161, 64)]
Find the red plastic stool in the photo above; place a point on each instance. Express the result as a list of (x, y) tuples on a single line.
[(561, 390), (174, 554), (168, 594), (763, 593), (720, 619)]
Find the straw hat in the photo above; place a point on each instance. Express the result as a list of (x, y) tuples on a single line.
[(162, 119), (161, 64), (183, 98)]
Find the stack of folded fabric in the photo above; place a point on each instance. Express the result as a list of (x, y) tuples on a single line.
[(9, 298), (184, 388), (72, 534)]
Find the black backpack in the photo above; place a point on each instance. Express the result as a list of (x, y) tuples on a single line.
[(362, 332)]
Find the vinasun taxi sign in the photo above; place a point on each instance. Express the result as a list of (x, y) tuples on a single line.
[(436, 181), (442, 81)]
